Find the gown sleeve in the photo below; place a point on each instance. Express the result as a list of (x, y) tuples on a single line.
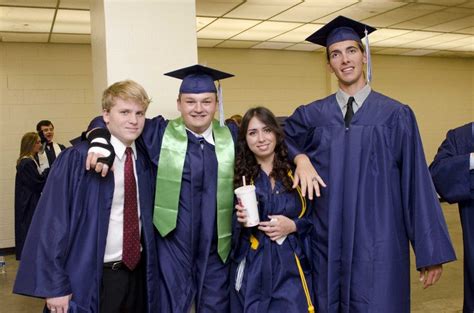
[(450, 172), (41, 272), (297, 132), (424, 220)]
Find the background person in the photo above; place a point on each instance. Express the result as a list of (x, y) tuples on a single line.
[(453, 175), (51, 149), (29, 183)]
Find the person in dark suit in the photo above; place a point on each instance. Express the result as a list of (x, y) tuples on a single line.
[(50, 149)]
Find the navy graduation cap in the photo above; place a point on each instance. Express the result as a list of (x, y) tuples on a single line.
[(200, 79), (340, 29)]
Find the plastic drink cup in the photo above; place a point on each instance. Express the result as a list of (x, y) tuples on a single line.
[(248, 199)]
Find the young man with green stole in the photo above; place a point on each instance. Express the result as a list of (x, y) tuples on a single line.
[(194, 156)]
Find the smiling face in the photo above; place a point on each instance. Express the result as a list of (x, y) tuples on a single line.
[(261, 140), (48, 132), (125, 120), (197, 110), (346, 61)]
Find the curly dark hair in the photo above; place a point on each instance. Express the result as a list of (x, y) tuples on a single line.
[(245, 162)]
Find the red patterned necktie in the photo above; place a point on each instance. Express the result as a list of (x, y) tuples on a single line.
[(131, 234)]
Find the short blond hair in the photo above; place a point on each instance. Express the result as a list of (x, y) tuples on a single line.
[(125, 90)]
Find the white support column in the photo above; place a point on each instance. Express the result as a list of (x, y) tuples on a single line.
[(141, 40)]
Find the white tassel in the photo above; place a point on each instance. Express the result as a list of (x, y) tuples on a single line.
[(221, 105), (240, 275), (367, 52)]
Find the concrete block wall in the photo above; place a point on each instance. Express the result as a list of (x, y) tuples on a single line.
[(39, 81)]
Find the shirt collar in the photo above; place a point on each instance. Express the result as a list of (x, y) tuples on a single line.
[(119, 148), (207, 135), (359, 98)]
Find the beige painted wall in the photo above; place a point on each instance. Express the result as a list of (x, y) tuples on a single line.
[(38, 82), (55, 82)]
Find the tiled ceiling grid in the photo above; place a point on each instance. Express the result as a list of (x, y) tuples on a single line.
[(423, 27)]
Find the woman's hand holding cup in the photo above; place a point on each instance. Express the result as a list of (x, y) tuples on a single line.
[(241, 214)]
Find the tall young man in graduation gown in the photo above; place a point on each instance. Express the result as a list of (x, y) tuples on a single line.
[(194, 161), (80, 221), (379, 195), (453, 176)]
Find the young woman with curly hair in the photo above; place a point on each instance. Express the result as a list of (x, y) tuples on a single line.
[(270, 271)]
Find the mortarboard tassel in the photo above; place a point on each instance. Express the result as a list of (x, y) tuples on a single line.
[(367, 52), (221, 104)]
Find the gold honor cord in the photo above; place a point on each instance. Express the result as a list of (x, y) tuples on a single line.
[(254, 245)]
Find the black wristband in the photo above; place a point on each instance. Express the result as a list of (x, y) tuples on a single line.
[(109, 160), (98, 133)]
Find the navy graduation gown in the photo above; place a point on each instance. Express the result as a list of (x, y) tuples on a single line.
[(64, 250), (379, 198), (271, 281), (28, 186), (455, 183), (190, 266)]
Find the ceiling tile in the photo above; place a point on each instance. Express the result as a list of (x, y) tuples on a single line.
[(363, 10), (385, 33), (442, 2), (225, 28), (435, 18), (23, 37), (203, 21), (75, 4), (71, 38), (215, 8), (467, 48), (402, 14), (266, 30), (272, 45), (299, 34), (454, 25), (30, 3), (240, 44), (25, 19), (312, 10), (418, 52), (410, 36), (209, 43), (71, 21), (304, 47), (469, 30), (435, 40), (261, 9), (450, 45), (468, 4), (393, 51), (453, 54)]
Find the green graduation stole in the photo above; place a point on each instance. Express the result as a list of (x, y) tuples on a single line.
[(169, 176)]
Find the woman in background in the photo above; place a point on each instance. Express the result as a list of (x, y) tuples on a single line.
[(28, 186), (270, 269)]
